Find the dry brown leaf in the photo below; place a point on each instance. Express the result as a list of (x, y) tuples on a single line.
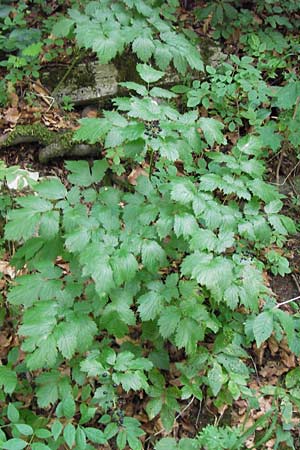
[(12, 115), (42, 92), (7, 269), (273, 345), (135, 173), (288, 359)]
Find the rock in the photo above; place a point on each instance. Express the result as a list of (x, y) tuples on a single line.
[(97, 83)]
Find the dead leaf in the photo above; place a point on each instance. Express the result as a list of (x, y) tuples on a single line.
[(135, 173), (12, 115)]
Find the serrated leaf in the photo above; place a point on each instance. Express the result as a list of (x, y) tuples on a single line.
[(215, 378), (212, 130), (168, 150), (153, 256), (150, 305), (8, 379), (167, 416), (80, 439), (166, 444), (62, 27), (80, 173), (91, 130), (162, 93), (56, 429), (124, 266), (168, 321), (263, 327), (98, 170), (188, 333), (162, 56), (250, 145), (69, 406), (69, 435), (288, 94), (153, 407), (121, 439), (138, 88), (143, 47), (51, 189), (185, 225), (148, 74), (95, 435)]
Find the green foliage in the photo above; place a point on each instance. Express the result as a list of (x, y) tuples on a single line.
[(178, 258), (109, 29)]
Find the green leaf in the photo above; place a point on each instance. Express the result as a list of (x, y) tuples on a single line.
[(121, 439), (98, 170), (153, 256), (167, 416), (80, 439), (185, 225), (12, 413), (153, 407), (212, 131), (14, 444), (111, 430), (124, 266), (166, 444), (69, 407), (66, 339), (51, 189), (287, 95), (188, 334), (150, 305), (143, 47), (69, 435), (39, 446), (138, 88), (62, 27), (148, 74), (215, 378), (80, 173), (24, 429), (263, 327), (162, 93), (292, 379), (168, 321), (8, 379), (56, 429), (92, 130), (250, 145), (95, 435)]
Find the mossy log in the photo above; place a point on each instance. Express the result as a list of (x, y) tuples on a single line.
[(55, 144)]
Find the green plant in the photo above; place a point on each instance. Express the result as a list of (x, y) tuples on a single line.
[(109, 29), (120, 284)]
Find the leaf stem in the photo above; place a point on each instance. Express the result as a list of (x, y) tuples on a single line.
[(287, 301)]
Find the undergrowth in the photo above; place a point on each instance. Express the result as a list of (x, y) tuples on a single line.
[(116, 277)]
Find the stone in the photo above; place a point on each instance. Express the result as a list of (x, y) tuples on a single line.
[(94, 83)]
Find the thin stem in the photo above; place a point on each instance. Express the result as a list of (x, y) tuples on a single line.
[(287, 301), (151, 165), (77, 57)]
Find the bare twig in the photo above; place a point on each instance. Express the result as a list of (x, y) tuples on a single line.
[(296, 282), (287, 301), (279, 167), (178, 415), (288, 175)]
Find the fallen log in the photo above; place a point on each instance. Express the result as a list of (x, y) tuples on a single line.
[(55, 144)]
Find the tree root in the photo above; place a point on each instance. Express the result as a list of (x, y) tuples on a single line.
[(54, 144)]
